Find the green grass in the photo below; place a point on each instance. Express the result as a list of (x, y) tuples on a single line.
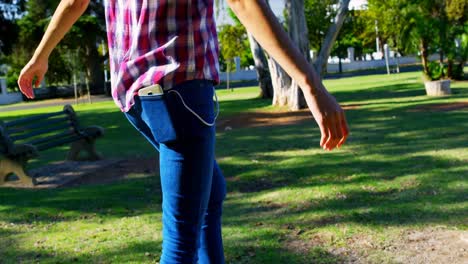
[(400, 170)]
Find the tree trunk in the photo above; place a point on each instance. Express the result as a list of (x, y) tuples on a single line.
[(332, 34), (261, 66), (397, 60), (340, 65), (424, 55), (298, 32), (281, 83), (450, 68), (280, 80), (286, 91), (442, 33), (94, 71), (228, 68)]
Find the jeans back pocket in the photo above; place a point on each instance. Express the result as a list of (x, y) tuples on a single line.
[(155, 113)]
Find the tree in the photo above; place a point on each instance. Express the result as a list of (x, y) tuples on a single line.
[(330, 37), (31, 21), (231, 39), (351, 36), (10, 11), (9, 31), (291, 95), (261, 66), (286, 91), (319, 15), (428, 26), (457, 49), (84, 38), (391, 17), (258, 57)]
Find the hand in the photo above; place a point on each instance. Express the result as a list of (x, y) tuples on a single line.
[(330, 119), (35, 68)]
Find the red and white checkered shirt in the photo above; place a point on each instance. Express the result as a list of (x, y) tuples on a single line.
[(159, 41)]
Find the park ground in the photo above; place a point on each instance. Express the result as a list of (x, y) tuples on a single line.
[(395, 193)]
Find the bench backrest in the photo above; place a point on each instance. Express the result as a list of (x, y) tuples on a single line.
[(43, 131)]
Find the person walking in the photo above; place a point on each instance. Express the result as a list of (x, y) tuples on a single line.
[(164, 66)]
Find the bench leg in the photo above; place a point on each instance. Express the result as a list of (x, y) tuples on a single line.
[(8, 166), (83, 145)]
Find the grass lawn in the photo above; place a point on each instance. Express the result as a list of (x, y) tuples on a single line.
[(288, 201)]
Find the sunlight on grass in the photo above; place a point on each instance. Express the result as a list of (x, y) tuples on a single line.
[(288, 201)]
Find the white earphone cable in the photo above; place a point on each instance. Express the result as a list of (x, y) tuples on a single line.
[(194, 113)]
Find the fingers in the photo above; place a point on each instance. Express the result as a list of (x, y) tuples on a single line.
[(324, 132), (345, 129), (25, 85), (337, 132), (25, 81)]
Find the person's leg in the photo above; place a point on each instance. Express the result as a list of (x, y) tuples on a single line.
[(186, 183), (211, 244), (186, 170), (184, 174)]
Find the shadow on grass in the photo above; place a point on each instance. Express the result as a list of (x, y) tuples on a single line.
[(388, 174), (246, 250), (393, 92), (386, 148), (230, 107), (124, 198), (271, 246), (261, 150), (138, 252), (114, 144)]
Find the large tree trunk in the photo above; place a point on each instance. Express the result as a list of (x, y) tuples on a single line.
[(332, 34), (281, 83), (261, 66), (299, 34), (286, 91)]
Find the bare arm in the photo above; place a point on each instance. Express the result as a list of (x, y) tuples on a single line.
[(260, 21), (66, 14)]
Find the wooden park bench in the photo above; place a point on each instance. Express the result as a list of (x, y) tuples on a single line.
[(22, 139)]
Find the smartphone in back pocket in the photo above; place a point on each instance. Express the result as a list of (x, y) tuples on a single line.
[(155, 113), (151, 90)]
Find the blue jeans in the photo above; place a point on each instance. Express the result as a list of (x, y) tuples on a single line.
[(193, 186)]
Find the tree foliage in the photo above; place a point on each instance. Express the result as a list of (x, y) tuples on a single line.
[(28, 26), (353, 34), (246, 56), (319, 15), (428, 26), (389, 20), (232, 41)]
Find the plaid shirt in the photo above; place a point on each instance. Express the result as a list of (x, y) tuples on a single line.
[(159, 41)]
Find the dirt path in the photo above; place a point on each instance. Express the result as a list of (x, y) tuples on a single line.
[(441, 107), (431, 246)]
